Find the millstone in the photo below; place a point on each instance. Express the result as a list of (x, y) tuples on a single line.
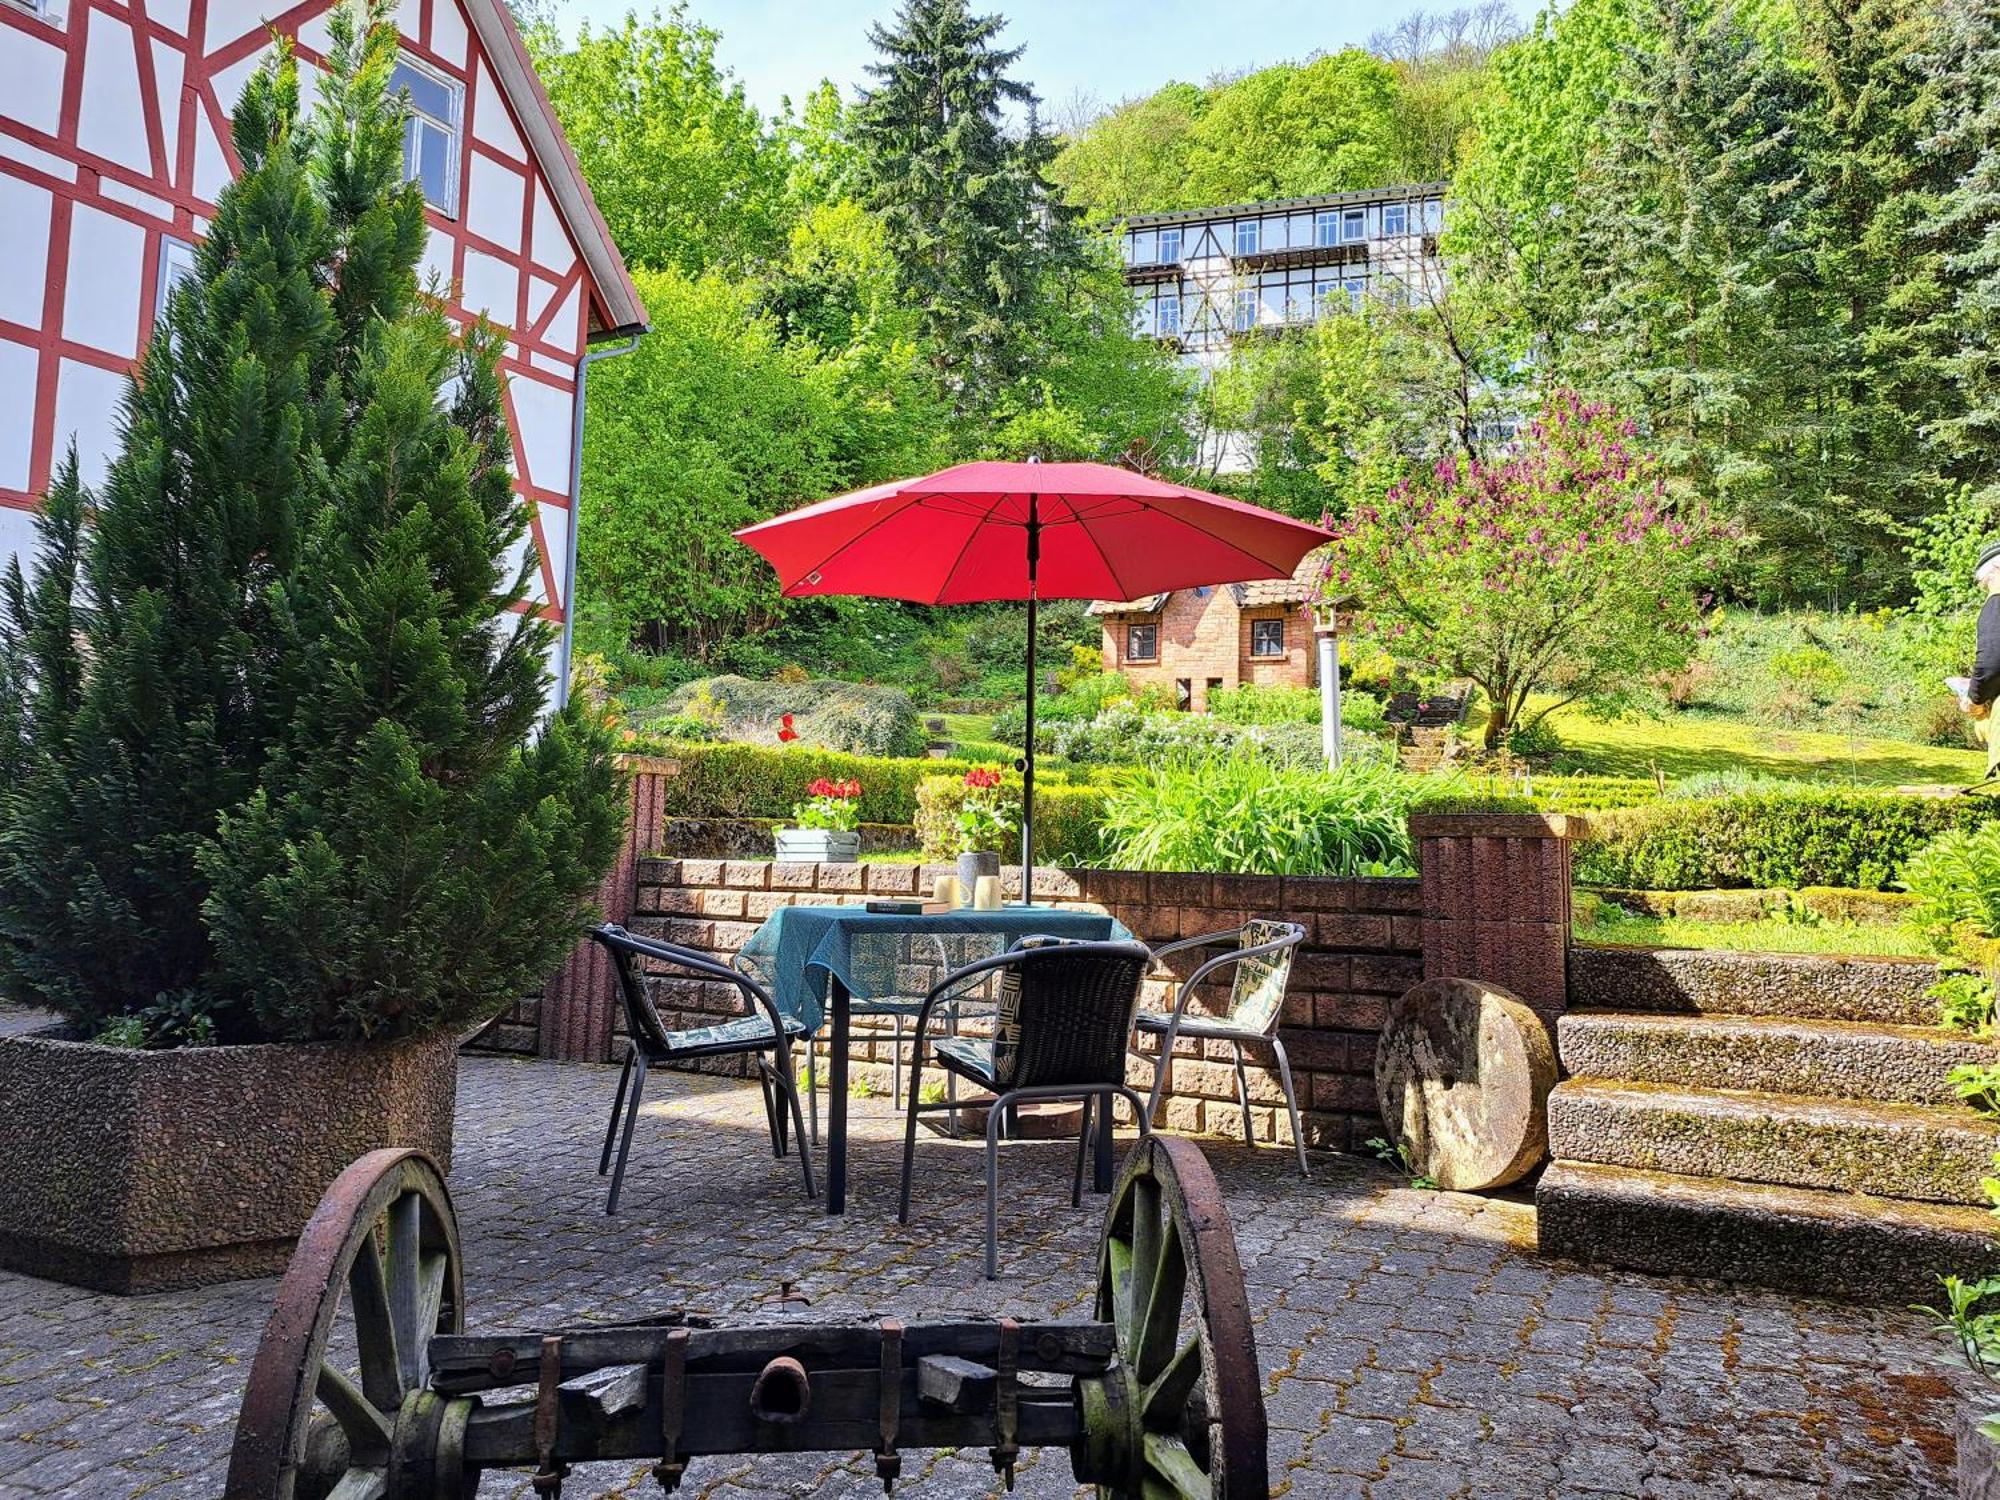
[(1462, 1074)]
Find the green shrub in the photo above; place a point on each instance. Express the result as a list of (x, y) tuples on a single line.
[(1550, 793), (849, 716), (1254, 704), (1956, 880), (1857, 839), (1067, 819), (1241, 815)]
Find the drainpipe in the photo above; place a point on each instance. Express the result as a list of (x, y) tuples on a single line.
[(583, 365)]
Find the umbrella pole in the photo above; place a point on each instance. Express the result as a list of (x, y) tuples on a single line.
[(1028, 759)]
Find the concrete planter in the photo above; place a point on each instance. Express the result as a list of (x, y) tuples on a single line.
[(824, 846), (132, 1171)]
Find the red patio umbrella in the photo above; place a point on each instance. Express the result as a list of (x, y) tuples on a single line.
[(981, 532)]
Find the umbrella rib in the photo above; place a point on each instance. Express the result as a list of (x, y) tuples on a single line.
[(1109, 566), (1232, 546), (944, 583)]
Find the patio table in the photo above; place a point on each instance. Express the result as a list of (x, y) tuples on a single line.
[(815, 959)]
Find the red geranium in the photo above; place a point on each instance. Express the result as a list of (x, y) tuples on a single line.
[(786, 733), (981, 777)]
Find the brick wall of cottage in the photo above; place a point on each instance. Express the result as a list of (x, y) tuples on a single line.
[(1364, 948), (1204, 639)]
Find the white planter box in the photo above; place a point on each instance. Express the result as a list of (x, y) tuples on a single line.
[(818, 845)]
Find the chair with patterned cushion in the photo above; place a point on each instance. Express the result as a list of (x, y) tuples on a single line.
[(1260, 956), (1062, 1027), (761, 1030)]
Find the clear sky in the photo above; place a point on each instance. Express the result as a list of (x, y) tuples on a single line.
[(1096, 50)]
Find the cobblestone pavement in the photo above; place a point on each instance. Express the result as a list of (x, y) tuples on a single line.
[(1414, 1346)]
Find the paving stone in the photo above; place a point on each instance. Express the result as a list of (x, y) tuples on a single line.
[(1411, 1343)]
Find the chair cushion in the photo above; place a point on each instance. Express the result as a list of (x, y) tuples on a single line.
[(1005, 1048), (1157, 1022), (1259, 989), (969, 1058), (744, 1034)]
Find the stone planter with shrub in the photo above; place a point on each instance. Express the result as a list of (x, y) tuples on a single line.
[(143, 1171), (283, 810)]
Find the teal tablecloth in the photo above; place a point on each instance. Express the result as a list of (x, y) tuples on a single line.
[(800, 950)]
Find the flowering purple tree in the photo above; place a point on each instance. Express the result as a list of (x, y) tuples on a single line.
[(1558, 568)]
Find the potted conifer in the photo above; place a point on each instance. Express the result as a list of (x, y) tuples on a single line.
[(282, 810)]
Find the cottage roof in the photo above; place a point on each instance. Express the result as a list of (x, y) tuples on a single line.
[(1262, 592), (618, 310)]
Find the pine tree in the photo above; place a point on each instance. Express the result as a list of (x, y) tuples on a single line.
[(964, 207), (1699, 313), (293, 638), (1964, 68)]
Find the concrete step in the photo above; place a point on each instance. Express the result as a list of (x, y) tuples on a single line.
[(1771, 1054), (1892, 1150), (1872, 1250), (1701, 981)]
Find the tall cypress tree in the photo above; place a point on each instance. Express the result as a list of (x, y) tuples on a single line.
[(294, 638), (964, 206)]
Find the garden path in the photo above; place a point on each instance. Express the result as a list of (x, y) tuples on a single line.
[(1413, 1344)]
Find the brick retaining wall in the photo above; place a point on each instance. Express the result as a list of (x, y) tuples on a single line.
[(1364, 948)]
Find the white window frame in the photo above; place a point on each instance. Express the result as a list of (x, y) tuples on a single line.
[(1326, 227), (176, 265), (1168, 327), (1164, 258), (1353, 225), (42, 10), (454, 130), (1243, 310), (1356, 288), (1402, 211), (1255, 236)]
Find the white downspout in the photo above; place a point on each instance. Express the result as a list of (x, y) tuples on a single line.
[(1326, 637), (590, 356)]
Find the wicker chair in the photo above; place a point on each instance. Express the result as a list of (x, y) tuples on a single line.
[(1260, 956), (761, 1029), (1062, 1029)]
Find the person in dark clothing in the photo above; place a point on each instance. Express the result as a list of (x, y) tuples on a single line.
[(1982, 685)]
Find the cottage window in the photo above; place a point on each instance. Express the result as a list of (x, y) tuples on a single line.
[(1170, 313), (1183, 693), (1246, 236), (1395, 218), (1326, 227), (1246, 310), (430, 134), (1142, 643), (1170, 246), (1267, 637), (1353, 225)]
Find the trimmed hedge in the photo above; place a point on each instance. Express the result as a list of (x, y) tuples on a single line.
[(1068, 819), (1856, 839)]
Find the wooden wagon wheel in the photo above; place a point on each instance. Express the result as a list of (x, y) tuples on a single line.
[(1181, 1416), (384, 1240)]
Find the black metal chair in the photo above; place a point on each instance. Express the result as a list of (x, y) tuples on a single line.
[(1261, 959), (762, 1029), (1062, 1028)]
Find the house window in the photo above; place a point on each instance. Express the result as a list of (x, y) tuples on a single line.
[(1323, 294), (1353, 225), (1170, 246), (1355, 287), (1170, 314), (1246, 236), (1214, 687), (1326, 227), (1142, 643), (1395, 218), (1267, 637), (1246, 310), (1183, 693), (176, 266), (430, 135)]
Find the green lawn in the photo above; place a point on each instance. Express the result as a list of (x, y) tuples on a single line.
[(1613, 925), (1684, 747)]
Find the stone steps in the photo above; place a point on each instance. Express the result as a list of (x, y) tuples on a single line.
[(1771, 1054), (1696, 981), (1838, 1145), (1878, 1250), (1784, 1120)]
